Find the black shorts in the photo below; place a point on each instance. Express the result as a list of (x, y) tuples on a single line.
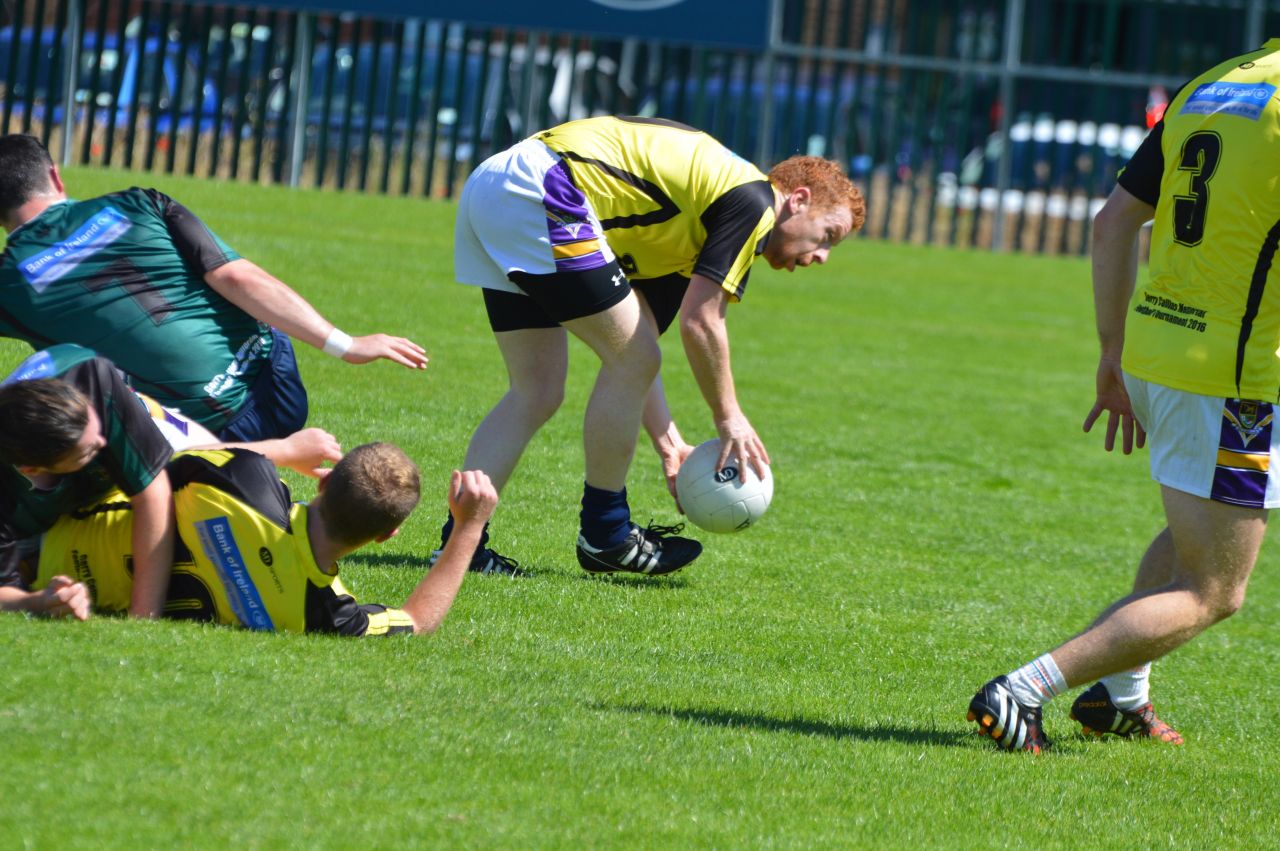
[(549, 301)]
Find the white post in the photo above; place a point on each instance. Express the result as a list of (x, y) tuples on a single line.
[(302, 75), (1012, 59), (1253, 24), (70, 68)]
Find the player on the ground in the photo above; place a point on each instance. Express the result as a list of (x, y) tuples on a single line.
[(1189, 363), (71, 430), (65, 441), (606, 228), (136, 276), (251, 558)]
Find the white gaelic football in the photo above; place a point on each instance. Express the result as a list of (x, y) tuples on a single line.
[(724, 500)]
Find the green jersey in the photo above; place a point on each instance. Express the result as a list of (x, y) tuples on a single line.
[(136, 451), (123, 274)]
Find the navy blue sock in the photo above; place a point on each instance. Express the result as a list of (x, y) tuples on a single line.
[(606, 517), (447, 530)]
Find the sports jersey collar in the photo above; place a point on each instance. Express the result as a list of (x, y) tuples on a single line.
[(36, 217), (298, 515)]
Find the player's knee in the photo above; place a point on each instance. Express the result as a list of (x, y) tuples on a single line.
[(1219, 602), (646, 356), (540, 402), (1229, 602)]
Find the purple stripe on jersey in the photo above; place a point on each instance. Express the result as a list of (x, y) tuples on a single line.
[(594, 260), (1246, 426), (1239, 487), (561, 197), (569, 219)]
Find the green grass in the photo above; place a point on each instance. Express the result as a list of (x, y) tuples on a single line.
[(939, 518)]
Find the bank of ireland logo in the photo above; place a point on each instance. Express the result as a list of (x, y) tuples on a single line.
[(637, 5)]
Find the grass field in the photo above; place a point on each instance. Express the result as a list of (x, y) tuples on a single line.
[(939, 518)]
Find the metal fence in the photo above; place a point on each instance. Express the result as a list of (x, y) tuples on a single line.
[(987, 123)]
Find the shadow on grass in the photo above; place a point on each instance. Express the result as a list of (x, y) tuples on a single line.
[(802, 726), (418, 563), (375, 559), (636, 582)]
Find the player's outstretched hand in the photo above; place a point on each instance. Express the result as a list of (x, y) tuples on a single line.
[(672, 459), (64, 597), (398, 349), (472, 497), (307, 450), (1113, 398), (738, 440)]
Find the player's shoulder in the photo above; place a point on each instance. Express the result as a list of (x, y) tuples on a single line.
[(138, 199), (242, 474)]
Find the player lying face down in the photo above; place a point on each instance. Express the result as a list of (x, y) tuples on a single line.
[(249, 557)]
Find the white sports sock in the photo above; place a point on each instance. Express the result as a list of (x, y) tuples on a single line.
[(1130, 689), (1037, 682)]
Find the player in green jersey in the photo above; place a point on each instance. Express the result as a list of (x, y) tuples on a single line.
[(1189, 365), (140, 279), (606, 228), (67, 439)]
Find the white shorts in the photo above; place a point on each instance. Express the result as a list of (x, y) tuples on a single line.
[(1220, 449), (181, 431), (519, 211)]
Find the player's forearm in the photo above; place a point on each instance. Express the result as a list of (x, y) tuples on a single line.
[(657, 420), (13, 599), (153, 535), (706, 344), (434, 596), (270, 300), (1115, 266)]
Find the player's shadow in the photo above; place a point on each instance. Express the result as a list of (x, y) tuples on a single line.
[(801, 726), (635, 581), (376, 559)]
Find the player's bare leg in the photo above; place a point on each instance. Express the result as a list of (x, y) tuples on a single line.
[(1120, 704), (1216, 546), (629, 362), (629, 356), (1209, 551), (537, 361)]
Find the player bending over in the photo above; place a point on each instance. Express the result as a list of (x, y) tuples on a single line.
[(606, 228)]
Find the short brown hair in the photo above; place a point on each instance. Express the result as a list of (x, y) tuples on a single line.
[(825, 180), (369, 493), (41, 420), (24, 170)]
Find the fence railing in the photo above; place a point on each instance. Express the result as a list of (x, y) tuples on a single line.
[(993, 123)]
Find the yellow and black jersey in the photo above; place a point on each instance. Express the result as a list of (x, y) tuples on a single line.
[(672, 200), (243, 558), (1208, 319)]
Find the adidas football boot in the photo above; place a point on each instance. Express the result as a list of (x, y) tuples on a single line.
[(1098, 716), (652, 551), (1010, 725)]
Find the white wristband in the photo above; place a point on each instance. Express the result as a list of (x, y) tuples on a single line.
[(338, 343)]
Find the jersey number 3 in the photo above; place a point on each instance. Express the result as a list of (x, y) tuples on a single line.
[(1200, 154)]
